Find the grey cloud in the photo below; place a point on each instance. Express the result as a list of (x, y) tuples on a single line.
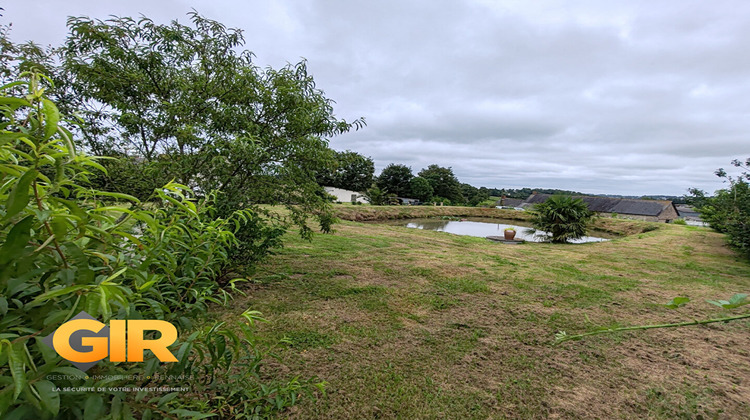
[(629, 97)]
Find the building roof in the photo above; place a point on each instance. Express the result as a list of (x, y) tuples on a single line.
[(339, 190), (687, 211), (612, 205), (509, 202)]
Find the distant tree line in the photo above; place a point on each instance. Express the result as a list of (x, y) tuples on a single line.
[(355, 172), (525, 192), (432, 184)]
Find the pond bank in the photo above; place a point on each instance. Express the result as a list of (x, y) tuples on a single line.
[(381, 213), (375, 213), (483, 227)]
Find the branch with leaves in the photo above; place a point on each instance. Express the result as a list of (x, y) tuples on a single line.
[(739, 299)]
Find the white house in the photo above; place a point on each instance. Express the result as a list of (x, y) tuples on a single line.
[(346, 196)]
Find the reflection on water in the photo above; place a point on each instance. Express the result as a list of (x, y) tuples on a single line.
[(482, 227)]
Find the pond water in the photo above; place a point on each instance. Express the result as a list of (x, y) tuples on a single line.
[(483, 227)]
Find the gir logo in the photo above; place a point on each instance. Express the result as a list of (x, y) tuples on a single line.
[(84, 341)]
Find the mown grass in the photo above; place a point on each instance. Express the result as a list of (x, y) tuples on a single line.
[(405, 323)]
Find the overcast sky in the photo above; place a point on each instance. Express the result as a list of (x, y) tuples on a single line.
[(625, 97)]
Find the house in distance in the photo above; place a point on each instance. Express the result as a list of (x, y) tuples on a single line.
[(345, 196), (647, 210)]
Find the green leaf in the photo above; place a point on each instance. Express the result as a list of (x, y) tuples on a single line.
[(6, 398), (19, 196), (48, 354), (739, 299), (17, 364), (116, 275), (10, 171), (16, 241), (59, 292), (68, 138), (94, 164), (677, 302), (92, 409), (117, 195), (13, 84), (104, 307), (167, 398), (51, 116), (116, 407), (59, 226), (13, 103), (7, 136), (147, 285), (719, 303), (3, 306), (50, 398)]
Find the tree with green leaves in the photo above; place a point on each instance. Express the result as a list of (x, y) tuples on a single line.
[(18, 58), (375, 196), (396, 179), (473, 195), (444, 183), (563, 217), (421, 189), (468, 191), (352, 171), (728, 211), (187, 100), (66, 248), (483, 194)]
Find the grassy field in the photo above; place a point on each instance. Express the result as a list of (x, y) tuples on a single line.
[(404, 323)]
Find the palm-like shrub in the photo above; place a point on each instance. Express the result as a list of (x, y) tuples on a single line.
[(564, 217)]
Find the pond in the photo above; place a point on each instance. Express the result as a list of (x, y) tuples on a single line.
[(483, 227)]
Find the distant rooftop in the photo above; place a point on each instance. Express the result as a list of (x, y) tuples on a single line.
[(612, 205)]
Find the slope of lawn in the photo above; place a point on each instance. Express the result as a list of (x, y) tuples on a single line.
[(404, 323)]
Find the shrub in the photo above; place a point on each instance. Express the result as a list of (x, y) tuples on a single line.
[(64, 250), (728, 211), (376, 196), (563, 217)]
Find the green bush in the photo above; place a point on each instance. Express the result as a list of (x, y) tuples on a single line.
[(728, 211), (63, 249), (563, 217), (376, 196)]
